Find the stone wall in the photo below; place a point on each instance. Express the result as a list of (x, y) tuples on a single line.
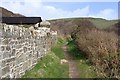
[(20, 51)]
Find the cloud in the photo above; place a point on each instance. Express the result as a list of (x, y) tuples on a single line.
[(46, 12), (37, 8), (50, 12), (106, 13), (26, 8)]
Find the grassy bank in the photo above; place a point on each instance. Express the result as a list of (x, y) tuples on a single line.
[(57, 48), (74, 51), (85, 68), (49, 66)]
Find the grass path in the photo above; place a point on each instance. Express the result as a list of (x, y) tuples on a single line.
[(73, 70), (50, 65), (83, 66)]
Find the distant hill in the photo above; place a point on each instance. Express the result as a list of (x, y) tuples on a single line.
[(68, 25), (6, 13)]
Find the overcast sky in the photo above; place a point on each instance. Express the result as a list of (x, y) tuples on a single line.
[(51, 9)]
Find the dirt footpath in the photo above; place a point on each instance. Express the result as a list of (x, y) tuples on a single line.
[(73, 71)]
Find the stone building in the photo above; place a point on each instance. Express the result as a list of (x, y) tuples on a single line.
[(20, 51)]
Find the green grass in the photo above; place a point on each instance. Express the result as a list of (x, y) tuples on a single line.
[(49, 66), (86, 70), (58, 51), (74, 51), (102, 23), (57, 48)]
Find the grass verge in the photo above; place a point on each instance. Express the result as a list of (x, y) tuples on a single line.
[(74, 51), (49, 66), (57, 48), (86, 70)]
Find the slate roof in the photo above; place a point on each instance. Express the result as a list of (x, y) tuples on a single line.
[(21, 20)]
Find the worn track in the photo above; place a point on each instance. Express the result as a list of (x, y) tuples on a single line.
[(73, 71)]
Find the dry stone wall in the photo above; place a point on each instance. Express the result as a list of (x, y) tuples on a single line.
[(20, 51)]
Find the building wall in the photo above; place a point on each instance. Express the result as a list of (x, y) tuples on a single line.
[(20, 51)]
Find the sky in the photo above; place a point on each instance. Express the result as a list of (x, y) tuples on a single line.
[(51, 9)]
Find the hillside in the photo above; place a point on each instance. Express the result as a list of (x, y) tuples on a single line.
[(7, 13), (68, 25)]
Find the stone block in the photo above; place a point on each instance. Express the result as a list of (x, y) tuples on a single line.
[(5, 70), (2, 48), (8, 48), (13, 52), (25, 49), (5, 54)]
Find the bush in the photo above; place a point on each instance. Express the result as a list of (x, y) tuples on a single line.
[(101, 48)]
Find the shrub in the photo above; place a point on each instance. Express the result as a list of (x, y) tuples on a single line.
[(101, 48)]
